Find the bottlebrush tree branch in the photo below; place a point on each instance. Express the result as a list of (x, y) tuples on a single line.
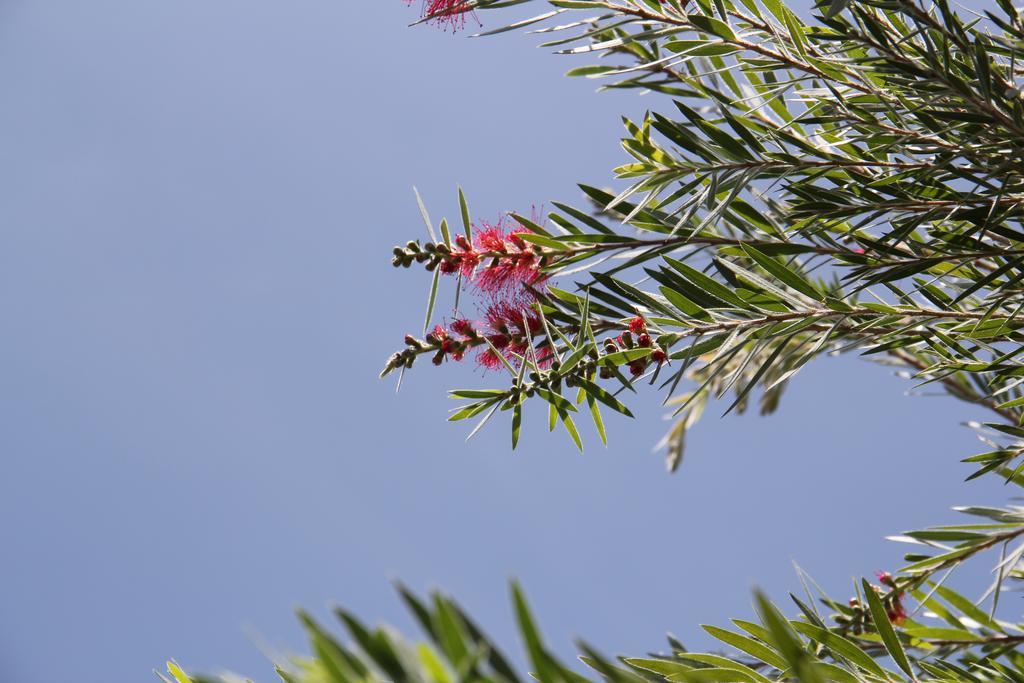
[(800, 189)]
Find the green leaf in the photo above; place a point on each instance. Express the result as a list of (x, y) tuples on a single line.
[(752, 647), (517, 421), (431, 299), (467, 222), (841, 646), (880, 618), (782, 273), (425, 215), (445, 235), (785, 640), (603, 396)]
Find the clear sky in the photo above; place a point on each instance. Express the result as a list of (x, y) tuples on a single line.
[(199, 199)]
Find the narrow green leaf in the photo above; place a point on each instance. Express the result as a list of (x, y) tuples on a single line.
[(467, 223), (880, 618), (425, 215), (431, 299)]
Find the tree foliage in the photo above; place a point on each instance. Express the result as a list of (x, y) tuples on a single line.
[(850, 185)]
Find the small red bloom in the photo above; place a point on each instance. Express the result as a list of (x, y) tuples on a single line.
[(659, 356), (638, 325), (462, 327), (446, 13), (510, 330), (504, 316), (463, 258), (490, 238), (644, 340), (637, 367), (506, 261), (489, 359)]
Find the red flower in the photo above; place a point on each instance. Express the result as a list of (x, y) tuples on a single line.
[(462, 259), (437, 335), (510, 330), (638, 325), (507, 261), (659, 356), (463, 327), (489, 359), (498, 262), (446, 13)]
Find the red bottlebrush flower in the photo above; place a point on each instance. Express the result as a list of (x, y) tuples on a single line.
[(491, 238), (637, 367), (659, 356), (644, 340), (463, 327), (507, 261), (446, 13), (510, 330), (489, 359), (638, 325), (504, 317), (462, 259), (445, 345), (437, 335)]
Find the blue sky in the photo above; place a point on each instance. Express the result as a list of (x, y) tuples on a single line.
[(200, 198)]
